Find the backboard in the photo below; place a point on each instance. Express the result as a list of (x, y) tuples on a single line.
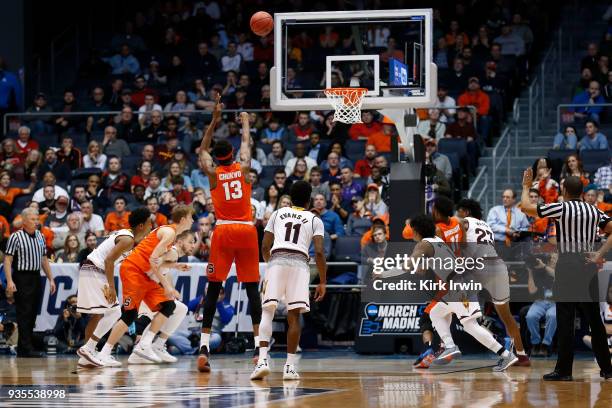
[(389, 52)]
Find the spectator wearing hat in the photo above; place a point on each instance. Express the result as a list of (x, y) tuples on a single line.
[(474, 96), (593, 139), (360, 220), (111, 146), (445, 104), (382, 140), (59, 214), (123, 63), (39, 124), (359, 131), (438, 159), (374, 202)]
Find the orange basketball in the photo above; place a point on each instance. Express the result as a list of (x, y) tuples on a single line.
[(262, 23)]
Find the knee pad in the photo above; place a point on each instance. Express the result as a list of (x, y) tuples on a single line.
[(128, 316), (252, 290), (141, 323), (210, 303), (181, 308), (167, 308)]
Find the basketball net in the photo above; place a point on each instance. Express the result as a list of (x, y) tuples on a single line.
[(346, 103)]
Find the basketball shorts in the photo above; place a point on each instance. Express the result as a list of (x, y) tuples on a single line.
[(90, 295), (494, 278), (138, 288), (234, 243), (287, 279)]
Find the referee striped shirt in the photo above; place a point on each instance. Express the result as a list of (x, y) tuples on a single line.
[(27, 250), (577, 223)]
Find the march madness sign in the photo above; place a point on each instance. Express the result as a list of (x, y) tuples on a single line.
[(391, 318)]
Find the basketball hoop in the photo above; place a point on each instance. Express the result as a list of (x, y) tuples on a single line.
[(347, 103)]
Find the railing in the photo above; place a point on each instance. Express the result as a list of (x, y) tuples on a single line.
[(578, 105), (473, 112), (499, 154), (544, 82), (516, 117), (482, 175)]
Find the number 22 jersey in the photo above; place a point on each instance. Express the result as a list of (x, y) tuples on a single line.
[(293, 229)]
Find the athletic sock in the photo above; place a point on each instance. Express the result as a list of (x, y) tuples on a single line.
[(291, 359), (205, 340), (160, 341), (107, 349), (256, 341), (91, 344), (521, 353), (147, 339), (263, 353)]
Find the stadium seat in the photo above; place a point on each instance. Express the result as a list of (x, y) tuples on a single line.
[(83, 174), (267, 172), (267, 148), (448, 145), (348, 249), (557, 159), (129, 163), (454, 160), (594, 159), (354, 149)]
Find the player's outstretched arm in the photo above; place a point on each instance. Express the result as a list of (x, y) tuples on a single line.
[(245, 148), (205, 157), (526, 206), (122, 245), (319, 250), (266, 245)]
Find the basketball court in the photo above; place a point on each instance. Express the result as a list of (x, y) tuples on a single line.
[(338, 379)]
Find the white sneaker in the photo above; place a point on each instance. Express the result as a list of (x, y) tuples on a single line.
[(108, 360), (162, 353), (90, 356), (147, 352), (136, 359), (261, 370), (289, 373), (83, 363)]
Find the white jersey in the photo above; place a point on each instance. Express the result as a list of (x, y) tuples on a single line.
[(479, 239), (293, 229), (443, 260), (99, 255)]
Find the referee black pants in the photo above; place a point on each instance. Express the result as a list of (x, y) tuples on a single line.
[(27, 299), (576, 288)]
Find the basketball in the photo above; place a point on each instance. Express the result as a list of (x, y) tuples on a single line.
[(262, 23)]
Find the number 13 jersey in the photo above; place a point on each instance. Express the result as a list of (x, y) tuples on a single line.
[(231, 196), (293, 229)]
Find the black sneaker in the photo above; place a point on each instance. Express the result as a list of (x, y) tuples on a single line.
[(203, 357), (605, 376)]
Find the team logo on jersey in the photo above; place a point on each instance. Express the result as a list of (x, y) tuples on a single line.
[(210, 268), (391, 318), (127, 301)]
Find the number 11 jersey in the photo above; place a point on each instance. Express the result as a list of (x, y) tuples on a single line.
[(293, 229), (232, 195)]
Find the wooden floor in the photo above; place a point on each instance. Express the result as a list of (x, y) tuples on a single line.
[(329, 380)]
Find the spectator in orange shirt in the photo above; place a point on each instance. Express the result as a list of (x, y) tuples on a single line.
[(543, 182), (5, 229), (476, 97), (382, 140), (376, 221), (157, 219), (118, 219), (8, 193), (392, 52), (455, 34), (367, 128)]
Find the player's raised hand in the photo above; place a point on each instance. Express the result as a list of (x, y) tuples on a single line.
[(319, 292), (244, 118), (217, 109), (527, 178)]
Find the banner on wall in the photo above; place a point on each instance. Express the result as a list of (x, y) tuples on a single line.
[(189, 284)]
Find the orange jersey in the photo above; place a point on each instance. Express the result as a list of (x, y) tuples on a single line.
[(139, 257), (452, 233), (232, 195)]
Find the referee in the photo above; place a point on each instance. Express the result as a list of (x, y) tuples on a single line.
[(25, 254), (576, 273)]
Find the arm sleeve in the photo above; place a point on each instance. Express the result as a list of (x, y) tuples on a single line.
[(552, 210), (319, 228), (270, 224), (12, 245)]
